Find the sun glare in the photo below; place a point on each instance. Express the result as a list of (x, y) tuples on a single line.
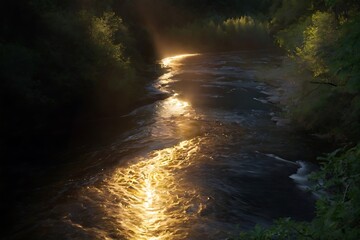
[(167, 62)]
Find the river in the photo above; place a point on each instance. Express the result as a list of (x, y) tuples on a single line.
[(204, 163)]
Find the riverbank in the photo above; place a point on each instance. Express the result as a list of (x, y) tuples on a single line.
[(212, 145), (337, 180), (322, 43), (34, 162)]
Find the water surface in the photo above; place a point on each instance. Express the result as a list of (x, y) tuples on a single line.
[(206, 162)]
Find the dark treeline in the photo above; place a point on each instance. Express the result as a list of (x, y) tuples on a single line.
[(63, 59), (185, 26)]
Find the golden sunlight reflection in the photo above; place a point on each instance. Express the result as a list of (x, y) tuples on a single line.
[(154, 198), (174, 116), (174, 106), (173, 65), (156, 201), (175, 119), (167, 62)]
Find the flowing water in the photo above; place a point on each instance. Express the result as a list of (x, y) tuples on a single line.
[(204, 163)]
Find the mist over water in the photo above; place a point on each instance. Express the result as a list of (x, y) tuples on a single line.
[(206, 162)]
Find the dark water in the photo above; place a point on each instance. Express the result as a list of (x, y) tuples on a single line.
[(205, 163)]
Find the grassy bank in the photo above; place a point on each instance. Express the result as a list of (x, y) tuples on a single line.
[(322, 42)]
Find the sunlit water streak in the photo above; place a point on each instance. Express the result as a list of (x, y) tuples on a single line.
[(156, 200), (173, 64), (172, 61)]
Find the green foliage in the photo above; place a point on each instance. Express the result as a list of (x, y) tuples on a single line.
[(102, 31), (325, 41), (228, 8), (344, 64), (338, 211), (319, 37), (283, 229), (62, 61), (341, 7), (229, 34), (293, 36), (287, 12)]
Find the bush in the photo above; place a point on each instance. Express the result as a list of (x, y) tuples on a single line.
[(319, 39), (293, 36), (327, 45), (74, 62), (338, 211), (288, 12), (218, 35)]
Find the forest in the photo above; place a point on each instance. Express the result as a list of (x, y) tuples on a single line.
[(66, 62)]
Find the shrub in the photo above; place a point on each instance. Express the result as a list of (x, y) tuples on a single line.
[(216, 34), (338, 211), (319, 38)]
